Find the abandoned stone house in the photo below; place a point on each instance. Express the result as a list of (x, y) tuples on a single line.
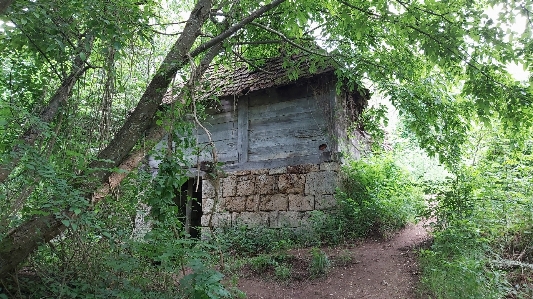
[(280, 142)]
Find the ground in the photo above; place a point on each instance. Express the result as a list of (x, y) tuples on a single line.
[(377, 269)]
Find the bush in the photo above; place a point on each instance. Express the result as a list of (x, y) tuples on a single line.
[(378, 197)]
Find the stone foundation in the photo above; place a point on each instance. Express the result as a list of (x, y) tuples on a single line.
[(276, 197)]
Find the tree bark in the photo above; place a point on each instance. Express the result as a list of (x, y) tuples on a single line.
[(4, 4)]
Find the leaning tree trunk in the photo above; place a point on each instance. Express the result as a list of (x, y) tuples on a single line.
[(24, 239)]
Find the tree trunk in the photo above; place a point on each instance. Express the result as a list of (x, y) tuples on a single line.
[(59, 98), (4, 4)]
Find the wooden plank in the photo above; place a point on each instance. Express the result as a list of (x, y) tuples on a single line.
[(225, 104), (304, 105), (242, 131), (225, 152), (263, 153), (300, 121), (280, 144), (274, 163), (296, 134), (280, 94), (230, 135), (214, 129), (218, 118)]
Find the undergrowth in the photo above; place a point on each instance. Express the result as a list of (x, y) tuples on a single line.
[(483, 245), (377, 198)]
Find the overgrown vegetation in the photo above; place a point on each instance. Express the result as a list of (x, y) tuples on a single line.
[(483, 241), (82, 84), (377, 199)]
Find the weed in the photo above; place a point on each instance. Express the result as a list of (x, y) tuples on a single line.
[(344, 258), (320, 263), (261, 263), (203, 283), (282, 272)]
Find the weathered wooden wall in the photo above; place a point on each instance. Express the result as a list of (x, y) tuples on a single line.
[(271, 128)]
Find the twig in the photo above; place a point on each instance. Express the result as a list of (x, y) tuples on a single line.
[(288, 40), (251, 63)]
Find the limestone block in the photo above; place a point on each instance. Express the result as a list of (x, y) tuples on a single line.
[(259, 171), (252, 203), (299, 202), (266, 184), (291, 183), (219, 220), (235, 204), (229, 186), (324, 202), (241, 172), (319, 183), (251, 218), (289, 219), (276, 202), (330, 166), (302, 168), (208, 190), (207, 205), (245, 178), (205, 233), (279, 170), (245, 187)]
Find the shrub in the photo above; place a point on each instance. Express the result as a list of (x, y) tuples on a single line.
[(378, 197)]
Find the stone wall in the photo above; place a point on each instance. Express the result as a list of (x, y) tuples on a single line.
[(276, 197)]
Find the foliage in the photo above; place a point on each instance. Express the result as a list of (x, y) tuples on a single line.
[(377, 197), (483, 225), (442, 65), (254, 240), (282, 272), (203, 283)]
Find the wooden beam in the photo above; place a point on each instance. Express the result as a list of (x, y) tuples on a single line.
[(242, 129), (188, 206)]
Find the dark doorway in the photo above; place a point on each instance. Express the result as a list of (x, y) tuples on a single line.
[(190, 189)]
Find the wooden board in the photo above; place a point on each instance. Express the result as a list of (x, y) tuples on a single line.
[(264, 151)]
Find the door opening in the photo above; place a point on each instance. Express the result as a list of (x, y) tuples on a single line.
[(190, 211)]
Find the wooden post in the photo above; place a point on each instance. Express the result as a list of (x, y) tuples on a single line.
[(242, 130), (188, 206)]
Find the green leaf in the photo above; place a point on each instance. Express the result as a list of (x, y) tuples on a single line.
[(66, 222)]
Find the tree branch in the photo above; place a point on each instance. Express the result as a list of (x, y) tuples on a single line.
[(230, 31), (61, 96), (288, 40)]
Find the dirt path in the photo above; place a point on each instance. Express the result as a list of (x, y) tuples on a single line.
[(376, 269)]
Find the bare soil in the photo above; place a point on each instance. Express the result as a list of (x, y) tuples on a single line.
[(378, 269)]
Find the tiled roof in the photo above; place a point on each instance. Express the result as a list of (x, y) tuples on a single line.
[(236, 81), (275, 72)]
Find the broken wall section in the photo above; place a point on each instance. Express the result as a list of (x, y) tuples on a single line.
[(274, 198)]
